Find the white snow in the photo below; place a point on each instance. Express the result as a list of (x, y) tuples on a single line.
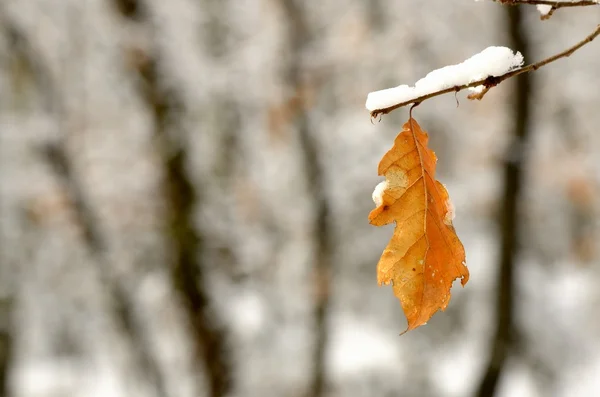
[(378, 193), (449, 216), (544, 9), (493, 61), (477, 89)]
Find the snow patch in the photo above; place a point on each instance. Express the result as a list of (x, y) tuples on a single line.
[(544, 9), (450, 214), (378, 193), (493, 61), (477, 89)]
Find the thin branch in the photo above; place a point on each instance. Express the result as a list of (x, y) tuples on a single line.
[(555, 4), (492, 81), (55, 155)]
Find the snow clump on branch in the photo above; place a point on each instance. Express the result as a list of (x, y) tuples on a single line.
[(493, 61)]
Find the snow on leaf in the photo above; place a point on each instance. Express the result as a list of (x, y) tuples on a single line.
[(378, 193)]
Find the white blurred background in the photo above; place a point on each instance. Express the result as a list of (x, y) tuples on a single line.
[(185, 185)]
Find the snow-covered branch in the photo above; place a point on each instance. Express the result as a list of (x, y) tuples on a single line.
[(480, 72)]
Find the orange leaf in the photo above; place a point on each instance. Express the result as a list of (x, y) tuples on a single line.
[(424, 256)]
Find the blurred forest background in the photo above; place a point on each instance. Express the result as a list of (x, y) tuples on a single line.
[(185, 184)]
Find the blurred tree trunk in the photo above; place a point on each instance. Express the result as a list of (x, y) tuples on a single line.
[(298, 38), (514, 165), (55, 155), (5, 345), (182, 201)]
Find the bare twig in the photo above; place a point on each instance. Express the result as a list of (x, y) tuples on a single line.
[(554, 4), (54, 154), (492, 81), (57, 158)]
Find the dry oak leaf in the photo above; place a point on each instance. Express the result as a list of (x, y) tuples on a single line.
[(424, 256)]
